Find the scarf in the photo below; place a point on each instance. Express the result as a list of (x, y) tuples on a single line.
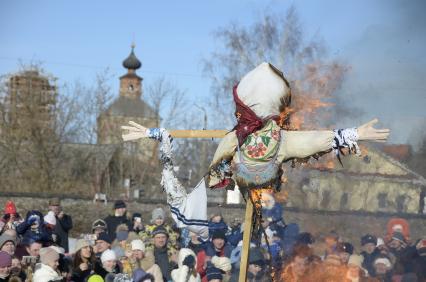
[(247, 121)]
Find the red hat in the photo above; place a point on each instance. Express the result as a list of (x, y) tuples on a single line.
[(9, 208)]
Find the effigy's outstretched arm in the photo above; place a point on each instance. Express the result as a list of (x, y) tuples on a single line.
[(188, 209), (302, 144)]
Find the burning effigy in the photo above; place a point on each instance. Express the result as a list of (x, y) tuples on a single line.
[(251, 155)]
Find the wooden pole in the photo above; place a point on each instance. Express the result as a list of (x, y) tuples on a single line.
[(246, 240)]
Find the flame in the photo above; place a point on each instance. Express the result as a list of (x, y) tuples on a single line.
[(317, 83)]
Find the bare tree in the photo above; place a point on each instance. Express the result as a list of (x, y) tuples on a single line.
[(280, 40)]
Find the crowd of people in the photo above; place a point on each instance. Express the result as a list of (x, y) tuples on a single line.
[(121, 248)]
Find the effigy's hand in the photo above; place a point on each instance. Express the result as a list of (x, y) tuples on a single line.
[(367, 132), (134, 132)]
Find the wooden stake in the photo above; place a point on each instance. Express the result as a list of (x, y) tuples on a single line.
[(246, 240)]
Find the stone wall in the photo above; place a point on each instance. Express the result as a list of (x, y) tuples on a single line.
[(350, 225)]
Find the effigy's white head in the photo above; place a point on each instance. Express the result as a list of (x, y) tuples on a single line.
[(264, 90)]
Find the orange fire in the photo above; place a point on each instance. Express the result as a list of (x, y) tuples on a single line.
[(317, 84)]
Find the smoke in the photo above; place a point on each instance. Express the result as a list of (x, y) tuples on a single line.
[(388, 75)]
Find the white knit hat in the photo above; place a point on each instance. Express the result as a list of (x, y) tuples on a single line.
[(50, 218), (138, 245), (108, 255), (223, 263)]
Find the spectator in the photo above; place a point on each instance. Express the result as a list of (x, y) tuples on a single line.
[(298, 267), (7, 244), (142, 259), (345, 250), (83, 262), (382, 268), (186, 270), (158, 219), (29, 247), (49, 224), (63, 222), (108, 264), (5, 265), (119, 217), (99, 226), (10, 219), (224, 264), (64, 262), (402, 253), (137, 223), (119, 244), (256, 266), (420, 260), (217, 247), (33, 227), (141, 276), (16, 269), (163, 258), (355, 272), (102, 243), (48, 268), (213, 274), (194, 244), (369, 252), (216, 223)]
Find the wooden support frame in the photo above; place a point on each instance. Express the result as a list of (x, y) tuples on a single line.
[(245, 251)]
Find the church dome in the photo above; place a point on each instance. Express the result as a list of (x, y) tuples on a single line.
[(132, 62)]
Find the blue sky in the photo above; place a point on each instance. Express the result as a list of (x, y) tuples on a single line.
[(76, 39)]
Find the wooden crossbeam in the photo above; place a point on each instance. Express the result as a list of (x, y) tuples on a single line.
[(198, 133)]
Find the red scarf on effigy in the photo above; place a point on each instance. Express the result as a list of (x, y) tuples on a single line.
[(247, 121)]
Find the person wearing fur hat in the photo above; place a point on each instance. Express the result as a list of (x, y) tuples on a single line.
[(369, 252), (5, 264), (11, 219), (48, 268), (186, 270), (140, 258), (344, 251), (7, 244), (108, 264), (63, 223), (83, 261), (119, 217)]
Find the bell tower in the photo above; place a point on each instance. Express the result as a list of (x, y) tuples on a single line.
[(131, 83)]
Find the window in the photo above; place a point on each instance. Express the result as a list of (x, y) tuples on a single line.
[(344, 201), (326, 195), (382, 199), (400, 203)]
